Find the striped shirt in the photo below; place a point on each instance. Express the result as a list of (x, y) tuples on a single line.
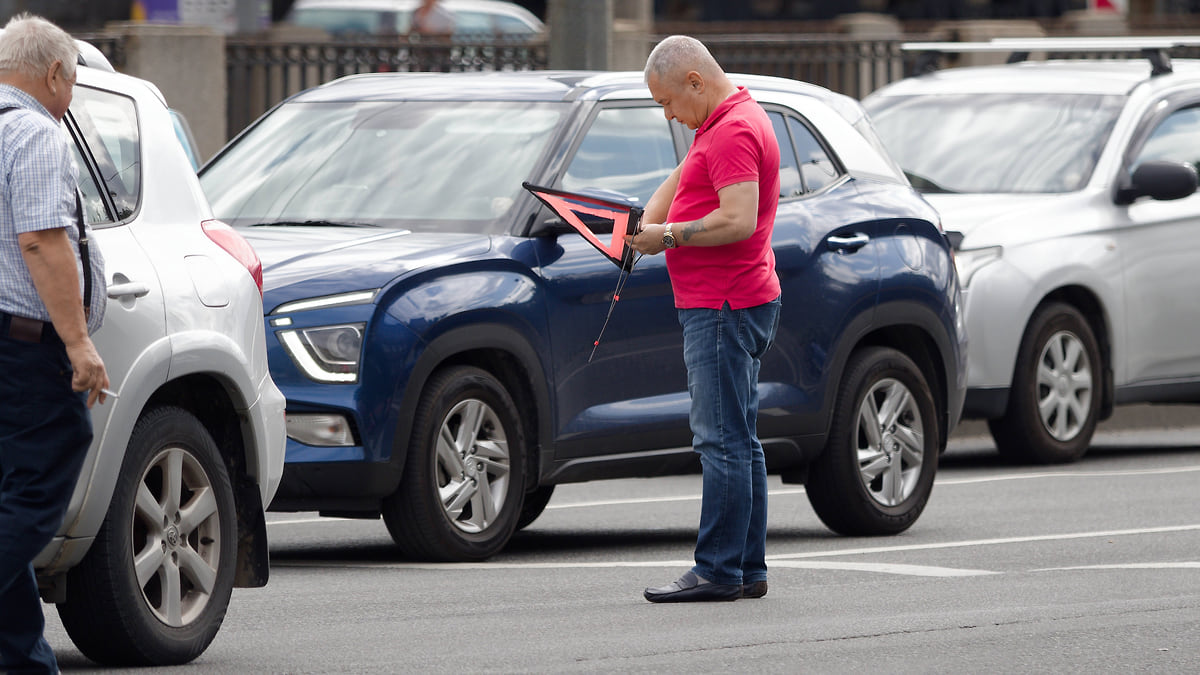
[(37, 192)]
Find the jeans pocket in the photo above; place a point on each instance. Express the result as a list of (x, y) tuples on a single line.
[(757, 326)]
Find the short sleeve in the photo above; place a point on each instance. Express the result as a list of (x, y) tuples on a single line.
[(736, 156), (42, 174)]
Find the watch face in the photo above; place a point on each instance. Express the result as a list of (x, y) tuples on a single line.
[(669, 240)]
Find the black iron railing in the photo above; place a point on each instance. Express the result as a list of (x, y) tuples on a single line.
[(261, 73)]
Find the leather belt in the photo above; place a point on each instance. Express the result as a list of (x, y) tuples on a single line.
[(26, 330)]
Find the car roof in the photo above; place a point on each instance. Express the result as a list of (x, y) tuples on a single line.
[(1059, 76), (533, 85), (491, 6)]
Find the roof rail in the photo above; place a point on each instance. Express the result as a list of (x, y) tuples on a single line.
[(92, 57), (1153, 48)]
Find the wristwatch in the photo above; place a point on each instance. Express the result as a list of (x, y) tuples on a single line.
[(668, 238)]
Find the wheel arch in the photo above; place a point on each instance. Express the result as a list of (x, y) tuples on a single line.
[(508, 355), (218, 406), (1087, 303)]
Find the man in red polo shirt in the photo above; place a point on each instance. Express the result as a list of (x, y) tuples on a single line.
[(714, 216)]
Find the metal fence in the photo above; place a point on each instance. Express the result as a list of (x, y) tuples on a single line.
[(849, 65), (261, 73)]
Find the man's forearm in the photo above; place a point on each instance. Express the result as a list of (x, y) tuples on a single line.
[(50, 258)]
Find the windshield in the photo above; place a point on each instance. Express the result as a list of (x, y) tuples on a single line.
[(434, 166), (996, 143)]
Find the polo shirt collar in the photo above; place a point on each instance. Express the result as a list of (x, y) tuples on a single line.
[(740, 96)]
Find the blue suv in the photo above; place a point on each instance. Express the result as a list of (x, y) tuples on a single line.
[(434, 326)]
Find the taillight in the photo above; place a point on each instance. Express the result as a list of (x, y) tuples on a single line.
[(237, 246)]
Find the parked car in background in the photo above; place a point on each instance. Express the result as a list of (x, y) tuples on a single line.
[(1072, 186), (433, 325), (394, 17), (168, 513)]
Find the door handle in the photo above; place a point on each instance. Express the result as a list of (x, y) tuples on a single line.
[(134, 288), (847, 244)]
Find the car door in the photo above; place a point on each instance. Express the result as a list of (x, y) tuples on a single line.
[(1160, 248), (108, 148), (634, 379), (825, 251)]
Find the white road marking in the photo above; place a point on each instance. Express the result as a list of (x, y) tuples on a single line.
[(805, 560), (800, 490), (882, 568), (1182, 565), (987, 542)]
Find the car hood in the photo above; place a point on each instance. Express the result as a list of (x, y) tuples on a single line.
[(301, 262), (1006, 219)]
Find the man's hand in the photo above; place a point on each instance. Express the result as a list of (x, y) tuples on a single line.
[(89, 372), (648, 239)]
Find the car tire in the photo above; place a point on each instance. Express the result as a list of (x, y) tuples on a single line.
[(535, 502), (876, 472), (155, 584), (1055, 400), (461, 494)]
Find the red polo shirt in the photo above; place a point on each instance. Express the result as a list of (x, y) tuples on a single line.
[(735, 144)]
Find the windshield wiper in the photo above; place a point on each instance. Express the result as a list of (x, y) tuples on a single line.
[(311, 223), (923, 184)]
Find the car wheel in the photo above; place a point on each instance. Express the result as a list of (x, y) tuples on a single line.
[(1055, 399), (535, 502), (155, 584), (876, 472), (460, 497)]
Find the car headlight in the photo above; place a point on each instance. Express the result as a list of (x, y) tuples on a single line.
[(326, 353), (970, 261)]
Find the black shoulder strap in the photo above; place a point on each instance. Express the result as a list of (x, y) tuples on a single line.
[(83, 244)]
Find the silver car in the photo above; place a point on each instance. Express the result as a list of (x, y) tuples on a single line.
[(1072, 187), (167, 515)]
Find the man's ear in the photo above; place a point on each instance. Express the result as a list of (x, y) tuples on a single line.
[(54, 77), (695, 81)]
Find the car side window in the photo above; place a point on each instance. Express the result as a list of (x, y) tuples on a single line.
[(626, 150), (108, 122), (94, 211), (790, 184), (817, 169), (1177, 138)]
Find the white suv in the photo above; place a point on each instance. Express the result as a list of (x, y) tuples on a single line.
[(167, 516), (1072, 185)]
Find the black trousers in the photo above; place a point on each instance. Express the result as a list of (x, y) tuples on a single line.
[(45, 430)]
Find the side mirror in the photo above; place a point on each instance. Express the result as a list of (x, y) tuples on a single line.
[(1160, 180)]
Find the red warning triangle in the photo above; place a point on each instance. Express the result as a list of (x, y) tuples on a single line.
[(594, 218)]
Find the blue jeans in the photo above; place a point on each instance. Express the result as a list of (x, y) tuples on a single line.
[(722, 350), (45, 430)]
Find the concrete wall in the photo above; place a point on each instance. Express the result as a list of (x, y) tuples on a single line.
[(186, 63), (599, 34)]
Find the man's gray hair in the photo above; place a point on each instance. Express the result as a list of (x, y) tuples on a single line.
[(31, 44), (680, 53)]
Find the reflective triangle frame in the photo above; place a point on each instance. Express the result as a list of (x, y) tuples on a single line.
[(574, 208)]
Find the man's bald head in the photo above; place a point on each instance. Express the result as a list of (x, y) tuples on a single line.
[(675, 56)]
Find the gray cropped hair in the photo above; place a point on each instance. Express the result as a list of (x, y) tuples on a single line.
[(31, 44), (680, 52)]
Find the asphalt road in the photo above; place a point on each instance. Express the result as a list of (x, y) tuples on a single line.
[(1090, 567)]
